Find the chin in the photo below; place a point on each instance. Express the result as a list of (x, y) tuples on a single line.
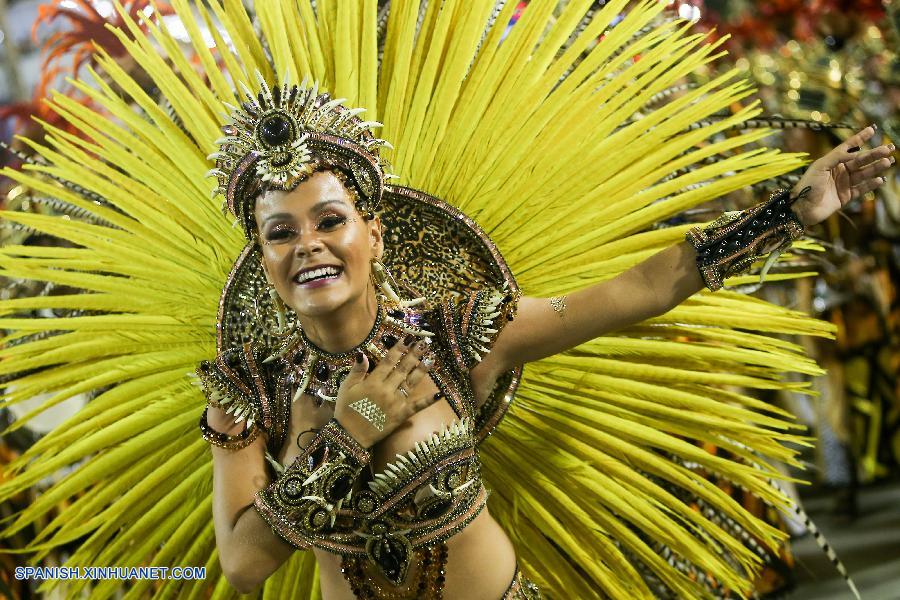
[(316, 303)]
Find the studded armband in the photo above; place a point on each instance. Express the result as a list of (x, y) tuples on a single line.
[(472, 325), (234, 384), (306, 498), (732, 243)]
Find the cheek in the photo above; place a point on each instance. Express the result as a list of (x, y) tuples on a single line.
[(276, 259), (353, 243)]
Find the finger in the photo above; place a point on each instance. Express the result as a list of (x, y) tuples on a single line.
[(424, 402), (849, 149), (413, 379), (390, 360), (866, 187), (842, 181), (358, 370), (865, 159), (871, 171), (406, 365)]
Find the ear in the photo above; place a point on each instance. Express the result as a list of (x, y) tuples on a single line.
[(376, 240)]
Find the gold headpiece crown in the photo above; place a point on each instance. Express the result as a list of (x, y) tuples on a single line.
[(281, 135)]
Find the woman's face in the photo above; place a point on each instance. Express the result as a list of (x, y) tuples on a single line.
[(316, 246)]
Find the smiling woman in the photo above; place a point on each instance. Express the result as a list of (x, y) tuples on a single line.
[(317, 251), (390, 483), (370, 337)]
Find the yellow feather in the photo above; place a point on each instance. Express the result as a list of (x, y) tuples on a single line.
[(535, 130)]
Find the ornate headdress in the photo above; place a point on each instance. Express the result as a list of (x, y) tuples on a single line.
[(283, 134), (280, 136)]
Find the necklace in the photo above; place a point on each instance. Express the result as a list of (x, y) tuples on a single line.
[(320, 373)]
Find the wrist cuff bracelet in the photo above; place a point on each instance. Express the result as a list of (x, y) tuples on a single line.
[(732, 243)]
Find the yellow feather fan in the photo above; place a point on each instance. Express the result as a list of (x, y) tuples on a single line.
[(553, 142)]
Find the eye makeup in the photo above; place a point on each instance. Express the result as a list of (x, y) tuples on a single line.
[(278, 233), (331, 220)]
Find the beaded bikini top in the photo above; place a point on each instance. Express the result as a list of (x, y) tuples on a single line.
[(418, 500)]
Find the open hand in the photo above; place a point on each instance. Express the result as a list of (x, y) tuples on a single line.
[(372, 405), (842, 175)]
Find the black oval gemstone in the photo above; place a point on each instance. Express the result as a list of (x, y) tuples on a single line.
[(436, 508), (391, 559), (276, 130), (395, 313), (388, 340), (372, 365), (297, 358), (322, 371), (339, 487)]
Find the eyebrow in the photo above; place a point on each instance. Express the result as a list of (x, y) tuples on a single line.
[(316, 207), (320, 205)]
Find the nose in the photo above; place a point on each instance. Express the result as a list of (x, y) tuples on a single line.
[(308, 245)]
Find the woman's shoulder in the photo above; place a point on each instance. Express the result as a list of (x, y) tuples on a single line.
[(470, 322), (240, 381)]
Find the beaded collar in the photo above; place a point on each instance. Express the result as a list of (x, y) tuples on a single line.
[(320, 373)]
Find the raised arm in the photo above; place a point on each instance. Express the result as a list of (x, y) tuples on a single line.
[(546, 326)]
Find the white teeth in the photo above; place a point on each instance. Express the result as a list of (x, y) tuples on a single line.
[(317, 273)]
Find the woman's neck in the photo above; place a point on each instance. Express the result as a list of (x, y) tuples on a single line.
[(344, 328)]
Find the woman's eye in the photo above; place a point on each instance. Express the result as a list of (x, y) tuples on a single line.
[(279, 234), (331, 221)]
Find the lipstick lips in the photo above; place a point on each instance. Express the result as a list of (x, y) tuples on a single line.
[(317, 276)]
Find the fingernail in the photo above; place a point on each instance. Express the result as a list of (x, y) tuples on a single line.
[(427, 362), (891, 147), (359, 358), (853, 149), (874, 127), (893, 160), (408, 340)]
